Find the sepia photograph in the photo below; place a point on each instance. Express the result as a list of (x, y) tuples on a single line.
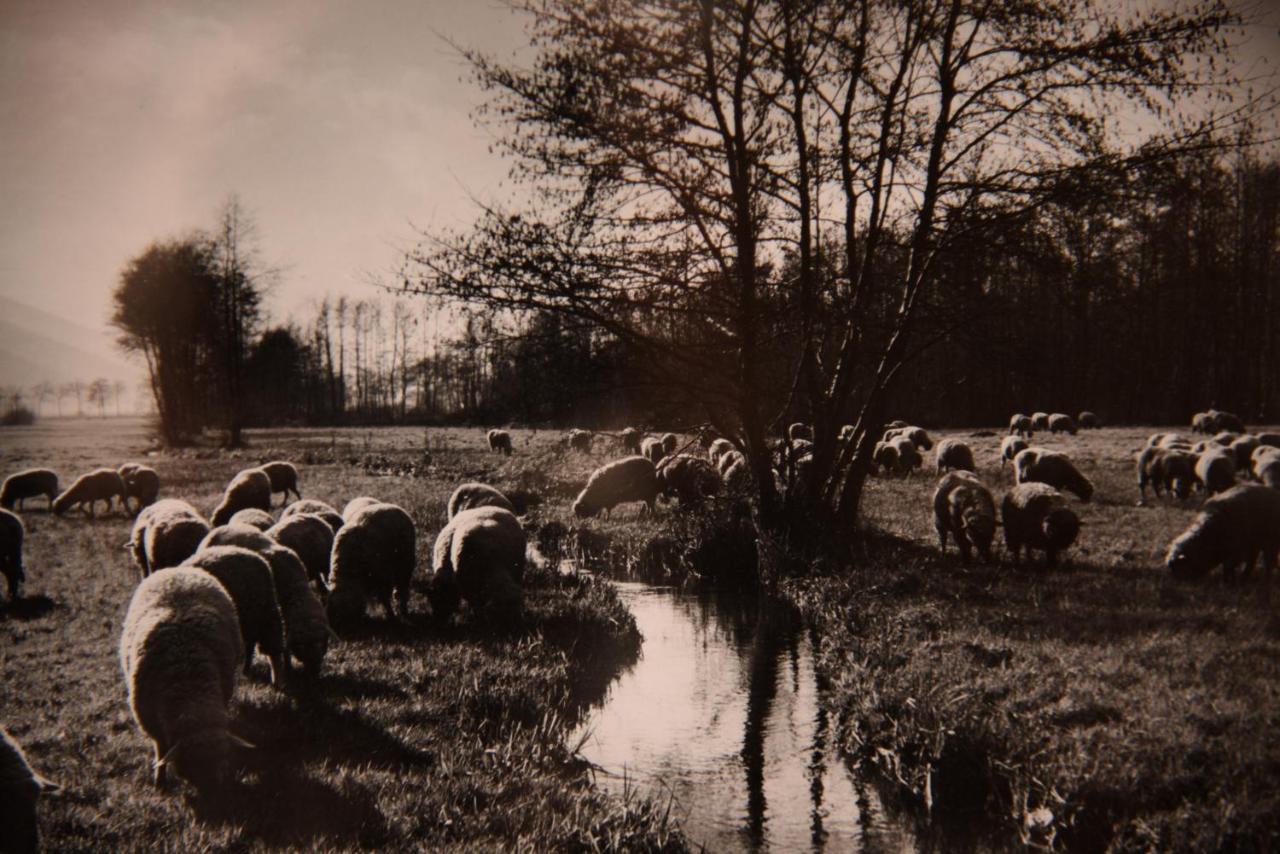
[(640, 426)]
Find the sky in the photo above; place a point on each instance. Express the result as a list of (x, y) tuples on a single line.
[(340, 125)]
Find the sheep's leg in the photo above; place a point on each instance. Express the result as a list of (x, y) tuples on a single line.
[(962, 540), (942, 538), (279, 663)]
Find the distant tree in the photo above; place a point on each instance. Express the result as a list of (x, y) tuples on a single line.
[(73, 388), (42, 391), (99, 393), (118, 388), (240, 278)]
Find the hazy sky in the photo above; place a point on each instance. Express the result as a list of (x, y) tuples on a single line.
[(337, 123)]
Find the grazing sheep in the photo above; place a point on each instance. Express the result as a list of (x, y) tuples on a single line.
[(1062, 423), (1216, 470), (1020, 425), (885, 456), (737, 474), (727, 459), (249, 488), (954, 454), (1271, 440), (247, 577), (1040, 421), (20, 788), (180, 651), (1167, 470), (310, 506), (470, 495), (1088, 420), (374, 556), (165, 534), (1198, 448), (1010, 446), (670, 441), (618, 482), (253, 517), (1225, 438), (140, 482), (479, 556), (1232, 528), (311, 539), (965, 508), (652, 450), (798, 431), (917, 435), (688, 478), (1035, 515), (718, 449), (355, 505), (231, 534), (283, 477), (1038, 465), (1267, 470), (909, 458), (1225, 421), (630, 438), (580, 440), (500, 440), (11, 534), (28, 484), (306, 629), (1262, 452), (1202, 422), (88, 489), (893, 425), (1242, 449)]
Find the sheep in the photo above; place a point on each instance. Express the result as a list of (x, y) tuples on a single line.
[(1233, 527), (1009, 448), (630, 439), (964, 507), (893, 425), (885, 456), (1225, 438), (247, 577), (11, 535), (917, 435), (180, 652), (1203, 422), (1035, 515), (798, 431), (954, 454), (165, 534), (470, 495), (1242, 449), (311, 506), (1062, 423), (670, 441), (1040, 421), (140, 482), (718, 449), (1088, 420), (355, 505), (1225, 421), (737, 474), (727, 459), (88, 489), (283, 477), (500, 441), (28, 484), (618, 482), (20, 788), (1269, 439), (253, 517), (231, 534), (1262, 452), (1267, 470), (478, 556), (374, 556), (306, 629), (1168, 440), (1216, 470), (1043, 466), (909, 458), (579, 440), (652, 450), (249, 488), (688, 478), (1020, 425), (1165, 469), (311, 539)]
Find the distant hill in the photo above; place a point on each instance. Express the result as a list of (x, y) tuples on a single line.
[(37, 345)]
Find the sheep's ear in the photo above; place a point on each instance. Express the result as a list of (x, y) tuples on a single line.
[(237, 741)]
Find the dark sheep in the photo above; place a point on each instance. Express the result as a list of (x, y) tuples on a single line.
[(1035, 515), (140, 482), (1242, 449), (247, 578), (28, 484), (500, 441), (374, 556), (1226, 421), (1038, 465), (1040, 421), (20, 788), (283, 477), (1062, 423), (1165, 469), (621, 481), (1216, 470), (311, 539), (630, 439), (88, 489), (652, 450), (688, 478), (11, 535), (885, 456), (964, 507), (1088, 420), (954, 454), (479, 556), (249, 488), (1271, 440), (579, 440), (1020, 425), (1234, 527), (470, 495), (315, 508)]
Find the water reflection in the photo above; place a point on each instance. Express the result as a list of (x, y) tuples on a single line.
[(721, 715)]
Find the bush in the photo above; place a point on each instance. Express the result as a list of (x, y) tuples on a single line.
[(19, 416)]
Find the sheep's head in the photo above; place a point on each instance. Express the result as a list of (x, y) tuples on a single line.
[(345, 605), (583, 509), (444, 597), (1190, 556), (981, 530), (1061, 527), (311, 652), (203, 759)]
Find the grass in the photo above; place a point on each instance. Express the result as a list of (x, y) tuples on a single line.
[(418, 736), (1102, 705)]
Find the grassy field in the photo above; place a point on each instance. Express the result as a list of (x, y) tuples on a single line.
[(1101, 704), (417, 736)]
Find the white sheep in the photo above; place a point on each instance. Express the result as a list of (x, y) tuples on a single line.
[(20, 787), (165, 534), (670, 441), (470, 495), (478, 556), (306, 628), (140, 482), (500, 441), (374, 556), (909, 458), (630, 439), (1020, 425), (28, 484), (798, 431), (355, 505), (311, 539), (1040, 421), (1010, 446), (1040, 465), (1202, 422), (249, 488), (1165, 469), (88, 489), (284, 478), (253, 517), (1035, 515), (11, 536), (955, 454), (315, 508), (718, 449), (246, 575), (964, 507), (618, 482), (1266, 468), (1233, 527), (180, 651)]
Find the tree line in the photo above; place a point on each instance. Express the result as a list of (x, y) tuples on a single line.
[(101, 393)]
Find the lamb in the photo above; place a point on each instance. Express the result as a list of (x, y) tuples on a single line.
[(652, 450), (1216, 470), (470, 495), (479, 556), (885, 456), (253, 517), (20, 788), (1088, 420), (798, 431), (310, 506), (246, 575), (1242, 449), (670, 441), (249, 488), (909, 458), (374, 555), (500, 440), (1035, 515), (1165, 469), (1043, 466), (688, 478), (954, 454), (1232, 528), (630, 438), (355, 505), (88, 489), (28, 484), (964, 507), (311, 539), (1010, 446), (1020, 425), (618, 482), (283, 477), (180, 651), (140, 482), (580, 440), (1062, 423), (1040, 421), (165, 534), (11, 535), (718, 449)]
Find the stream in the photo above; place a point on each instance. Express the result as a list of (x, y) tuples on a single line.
[(721, 718)]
